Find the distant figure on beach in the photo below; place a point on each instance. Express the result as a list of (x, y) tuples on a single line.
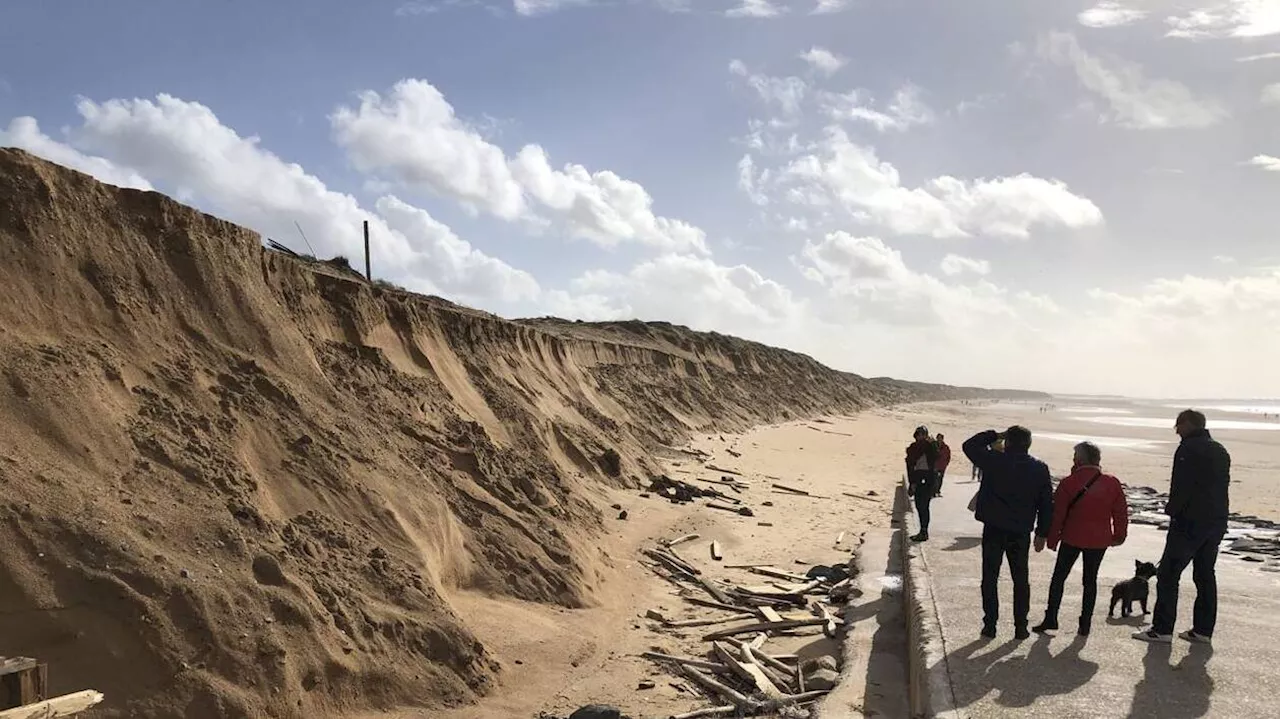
[(1198, 507), (1014, 497), (944, 459), (1090, 514), (922, 458)]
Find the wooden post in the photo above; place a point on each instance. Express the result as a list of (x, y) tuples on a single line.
[(22, 681), (368, 270)]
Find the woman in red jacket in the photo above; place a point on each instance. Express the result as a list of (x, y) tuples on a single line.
[(1090, 513)]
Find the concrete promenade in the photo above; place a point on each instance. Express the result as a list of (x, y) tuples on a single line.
[(1107, 674)]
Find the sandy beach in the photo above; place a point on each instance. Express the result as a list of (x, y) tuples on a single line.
[(556, 660)]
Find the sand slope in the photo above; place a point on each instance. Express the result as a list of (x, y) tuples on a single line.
[(238, 484)]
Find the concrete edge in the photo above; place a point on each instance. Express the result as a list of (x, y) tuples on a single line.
[(930, 693)]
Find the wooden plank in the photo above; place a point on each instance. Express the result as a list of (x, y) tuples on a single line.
[(757, 641), (780, 574), (763, 658), (829, 627), (750, 672), (723, 711), (763, 627), (27, 685), (716, 553), (840, 538), (703, 622), (692, 569), (769, 614), (716, 605), (793, 490), (781, 679), (13, 665), (709, 685), (714, 468), (714, 591), (680, 540), (698, 663), (63, 706)]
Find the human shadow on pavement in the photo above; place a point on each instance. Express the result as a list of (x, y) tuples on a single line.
[(1019, 681), (963, 544), (1180, 691)]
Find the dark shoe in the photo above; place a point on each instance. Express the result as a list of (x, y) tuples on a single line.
[(1048, 625), (1085, 626), (1195, 637), (1153, 637), (1021, 633), (921, 537), (988, 632)]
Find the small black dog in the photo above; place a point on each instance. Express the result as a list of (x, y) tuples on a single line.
[(1133, 590)]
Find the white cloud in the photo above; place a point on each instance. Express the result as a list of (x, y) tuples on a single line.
[(823, 60), (542, 7), (788, 93), (685, 289), (414, 138), (852, 175), (756, 9), (826, 7), (24, 133), (1262, 56), (183, 145), (953, 265), (1270, 94), (905, 111), (749, 181), (1228, 18), (1266, 162), (1110, 14), (601, 207), (1135, 101)]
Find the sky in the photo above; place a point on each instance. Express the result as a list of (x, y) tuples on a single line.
[(1069, 196)]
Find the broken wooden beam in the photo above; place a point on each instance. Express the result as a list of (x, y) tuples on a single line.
[(697, 663), (723, 711), (780, 574), (762, 657), (713, 590), (714, 468), (716, 554), (23, 681), (744, 511), (749, 672), (63, 706), (715, 688), (680, 540), (672, 562), (716, 605), (763, 627), (829, 628)]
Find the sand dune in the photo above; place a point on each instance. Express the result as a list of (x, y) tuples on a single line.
[(239, 484)]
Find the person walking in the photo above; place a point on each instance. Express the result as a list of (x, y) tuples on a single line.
[(1015, 496), (944, 459), (922, 458), (1090, 514), (1198, 507)]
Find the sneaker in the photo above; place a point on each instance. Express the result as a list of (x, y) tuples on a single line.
[(1153, 637), (1045, 626), (1021, 633), (1195, 637), (988, 632)]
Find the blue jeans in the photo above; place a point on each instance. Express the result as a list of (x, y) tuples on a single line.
[(1194, 542)]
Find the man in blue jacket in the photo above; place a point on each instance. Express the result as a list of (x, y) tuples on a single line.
[(1198, 507), (1015, 496)]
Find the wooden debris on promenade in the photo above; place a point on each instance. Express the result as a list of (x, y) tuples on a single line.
[(737, 672)]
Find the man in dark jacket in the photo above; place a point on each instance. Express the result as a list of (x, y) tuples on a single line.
[(1198, 507), (922, 458), (1015, 496)]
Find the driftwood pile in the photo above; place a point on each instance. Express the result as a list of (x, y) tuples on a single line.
[(738, 673)]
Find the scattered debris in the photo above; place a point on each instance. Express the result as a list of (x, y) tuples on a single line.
[(622, 514), (716, 554), (744, 511)]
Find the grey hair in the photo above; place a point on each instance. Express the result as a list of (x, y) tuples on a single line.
[(1092, 454)]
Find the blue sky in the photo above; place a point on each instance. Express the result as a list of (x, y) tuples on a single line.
[(1074, 196)]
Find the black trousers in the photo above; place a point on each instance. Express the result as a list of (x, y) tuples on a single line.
[(1195, 543), (999, 545), (922, 484), (1067, 556)]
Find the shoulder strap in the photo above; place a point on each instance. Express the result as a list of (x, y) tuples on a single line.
[(1079, 494)]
